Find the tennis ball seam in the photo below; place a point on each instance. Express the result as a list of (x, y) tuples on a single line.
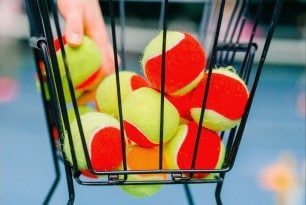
[(95, 132), (211, 114), (190, 86), (230, 71), (157, 47), (176, 141)]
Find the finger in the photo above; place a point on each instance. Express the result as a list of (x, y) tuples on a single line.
[(72, 11), (96, 29), (108, 63), (94, 23)]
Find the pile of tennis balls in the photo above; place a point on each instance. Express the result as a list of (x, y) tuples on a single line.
[(140, 108)]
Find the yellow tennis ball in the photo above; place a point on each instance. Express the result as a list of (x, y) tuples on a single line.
[(141, 117), (81, 109), (103, 140), (107, 96)]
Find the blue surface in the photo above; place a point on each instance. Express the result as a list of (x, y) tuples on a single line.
[(274, 127)]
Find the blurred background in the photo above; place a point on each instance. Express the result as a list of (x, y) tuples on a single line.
[(271, 159)]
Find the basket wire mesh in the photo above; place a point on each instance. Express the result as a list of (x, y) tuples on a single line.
[(223, 38)]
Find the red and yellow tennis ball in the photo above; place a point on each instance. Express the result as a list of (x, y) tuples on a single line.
[(226, 102), (140, 158), (107, 96), (185, 60), (84, 62), (182, 104), (141, 117), (179, 152), (103, 140)]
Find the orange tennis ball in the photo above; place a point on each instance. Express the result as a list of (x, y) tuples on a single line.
[(180, 150), (184, 65), (140, 158), (227, 98)]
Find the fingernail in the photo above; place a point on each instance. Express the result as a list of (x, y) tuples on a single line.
[(74, 38)]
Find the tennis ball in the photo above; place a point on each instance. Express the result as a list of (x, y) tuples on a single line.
[(66, 91), (82, 110), (185, 61), (106, 95), (42, 87), (88, 174), (84, 62), (227, 98), (180, 150), (103, 141), (141, 117), (182, 104), (140, 158)]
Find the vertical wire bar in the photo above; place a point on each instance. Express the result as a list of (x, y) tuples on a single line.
[(71, 192), (242, 11), (205, 19), (237, 40), (73, 97), (211, 61), (242, 16), (188, 194), (274, 19), (59, 96), (161, 15), (228, 28), (50, 129), (59, 126), (50, 75), (163, 77), (219, 189), (122, 33), (243, 21), (36, 26), (247, 74), (231, 21), (256, 22), (229, 143), (113, 28)]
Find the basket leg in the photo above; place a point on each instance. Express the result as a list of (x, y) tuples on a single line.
[(218, 190), (70, 185), (50, 124), (57, 175), (188, 194), (218, 193)]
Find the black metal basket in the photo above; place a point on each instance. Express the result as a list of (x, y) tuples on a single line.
[(226, 47)]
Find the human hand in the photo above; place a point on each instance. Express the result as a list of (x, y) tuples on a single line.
[(84, 17)]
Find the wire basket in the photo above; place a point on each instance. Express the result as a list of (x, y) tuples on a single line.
[(221, 36)]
